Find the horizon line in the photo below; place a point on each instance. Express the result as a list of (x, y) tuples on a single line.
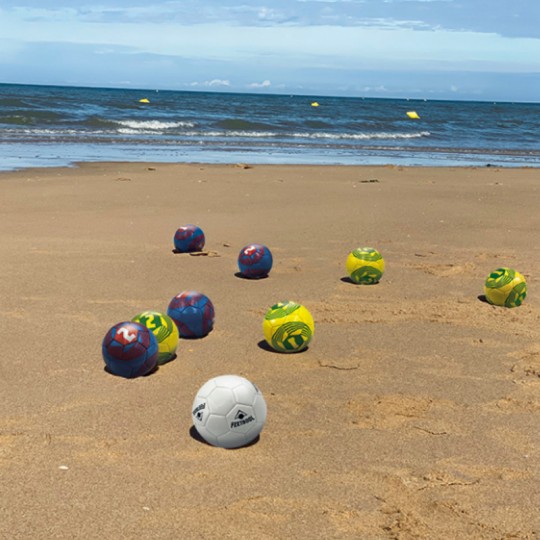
[(268, 94)]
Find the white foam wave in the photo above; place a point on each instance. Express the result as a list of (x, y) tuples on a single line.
[(56, 132), (362, 136), (152, 125), (248, 134), (156, 128), (316, 135), (132, 131)]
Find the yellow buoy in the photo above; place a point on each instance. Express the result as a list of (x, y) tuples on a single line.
[(314, 104), (412, 114), (144, 100)]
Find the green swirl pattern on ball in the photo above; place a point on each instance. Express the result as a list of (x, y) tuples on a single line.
[(281, 309), (367, 275), (164, 330), (517, 295), (291, 336), (367, 254), (499, 278)]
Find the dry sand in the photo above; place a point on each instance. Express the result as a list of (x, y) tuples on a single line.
[(414, 413)]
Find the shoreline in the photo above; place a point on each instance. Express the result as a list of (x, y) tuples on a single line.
[(81, 165), (70, 164), (413, 413), (49, 155)]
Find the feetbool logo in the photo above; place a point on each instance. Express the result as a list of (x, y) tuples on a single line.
[(241, 419)]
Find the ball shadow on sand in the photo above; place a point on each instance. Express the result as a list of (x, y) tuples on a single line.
[(482, 298), (195, 338), (151, 372), (239, 275), (190, 252), (169, 360), (194, 434), (347, 279), (265, 347)]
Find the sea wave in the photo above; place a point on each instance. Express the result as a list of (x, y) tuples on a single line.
[(307, 135), (33, 132), (12, 102), (237, 124), (32, 117), (240, 134), (363, 136), (155, 130), (152, 125)]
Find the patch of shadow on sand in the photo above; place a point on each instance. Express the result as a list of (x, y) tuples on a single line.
[(196, 253), (347, 279), (239, 275), (265, 347), (195, 338), (151, 372), (172, 358), (194, 434)]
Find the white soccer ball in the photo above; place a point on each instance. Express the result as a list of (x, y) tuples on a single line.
[(229, 411)]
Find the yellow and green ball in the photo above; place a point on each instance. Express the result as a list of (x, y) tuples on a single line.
[(505, 287), (288, 327), (165, 330), (365, 265)]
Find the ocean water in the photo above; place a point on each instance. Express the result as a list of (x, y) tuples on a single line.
[(53, 126)]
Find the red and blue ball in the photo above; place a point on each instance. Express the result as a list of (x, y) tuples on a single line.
[(130, 350), (193, 314), (189, 238), (255, 261)]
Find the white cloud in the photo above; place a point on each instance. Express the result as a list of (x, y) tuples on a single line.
[(264, 84), (378, 89), (212, 83)]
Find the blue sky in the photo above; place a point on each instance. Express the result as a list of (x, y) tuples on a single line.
[(434, 49)]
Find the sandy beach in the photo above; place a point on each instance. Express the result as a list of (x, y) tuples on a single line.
[(414, 414)]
